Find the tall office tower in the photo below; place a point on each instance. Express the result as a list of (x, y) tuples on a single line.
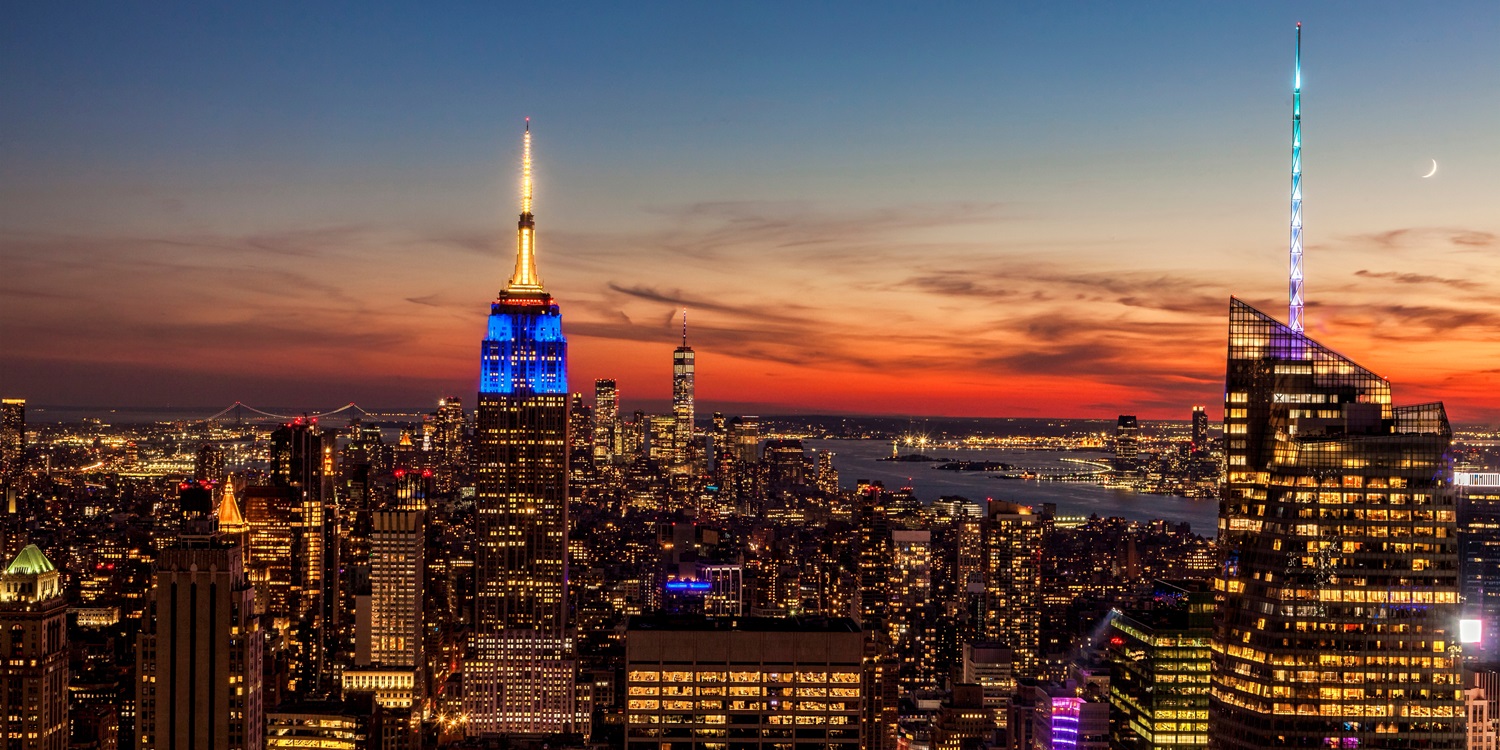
[(764, 683), (580, 449), (1013, 545), (12, 437), (682, 403), (34, 639), (198, 655), (1127, 445), (607, 436), (397, 544), (1479, 548), (1338, 622), (208, 465), (520, 677), (1200, 429), (268, 556), (1160, 661), (745, 432), (449, 442), (302, 463)]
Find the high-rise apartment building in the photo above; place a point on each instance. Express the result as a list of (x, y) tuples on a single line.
[(1200, 429), (683, 365), (34, 642), (911, 598), (1338, 624), (519, 678), (198, 667), (607, 437), (1013, 543)]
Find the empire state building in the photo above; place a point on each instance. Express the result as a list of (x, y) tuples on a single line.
[(520, 673)]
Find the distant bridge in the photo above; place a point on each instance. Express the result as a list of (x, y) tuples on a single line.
[(239, 408)]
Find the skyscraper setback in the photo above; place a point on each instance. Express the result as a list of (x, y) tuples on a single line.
[(519, 679)]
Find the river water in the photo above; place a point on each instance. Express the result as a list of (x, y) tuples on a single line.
[(859, 459)]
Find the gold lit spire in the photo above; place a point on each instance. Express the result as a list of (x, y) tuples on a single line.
[(230, 519), (525, 278)]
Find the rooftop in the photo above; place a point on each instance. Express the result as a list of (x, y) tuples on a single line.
[(744, 624)]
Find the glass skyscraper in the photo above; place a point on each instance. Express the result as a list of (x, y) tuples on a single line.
[(519, 678), (1338, 619)]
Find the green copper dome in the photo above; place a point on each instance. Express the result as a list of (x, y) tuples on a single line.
[(31, 561)]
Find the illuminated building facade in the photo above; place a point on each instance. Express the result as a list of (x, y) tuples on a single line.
[(302, 464), (1013, 551), (1338, 625), (34, 639), (1479, 549), (198, 655), (683, 364), (991, 666), (1200, 429), (316, 727), (208, 465), (12, 438), (1160, 661), (725, 597), (607, 437), (397, 544), (268, 558), (519, 678), (661, 439), (911, 597), (449, 442), (749, 682)]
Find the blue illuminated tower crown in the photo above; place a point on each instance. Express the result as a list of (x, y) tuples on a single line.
[(524, 351)]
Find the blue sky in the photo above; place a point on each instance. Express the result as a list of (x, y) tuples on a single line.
[(344, 159)]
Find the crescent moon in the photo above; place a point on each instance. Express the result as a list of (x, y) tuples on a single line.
[(1433, 172)]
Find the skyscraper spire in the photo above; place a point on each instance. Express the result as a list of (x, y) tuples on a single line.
[(684, 326), (1294, 319), (525, 279)]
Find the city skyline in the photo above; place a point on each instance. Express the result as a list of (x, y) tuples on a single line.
[(1015, 252)]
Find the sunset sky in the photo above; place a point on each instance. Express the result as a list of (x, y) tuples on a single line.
[(971, 209)]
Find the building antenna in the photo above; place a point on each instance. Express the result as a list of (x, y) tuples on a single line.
[(684, 326), (1295, 317)]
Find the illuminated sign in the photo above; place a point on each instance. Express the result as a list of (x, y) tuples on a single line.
[(692, 587), (1470, 631), (1476, 479)]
